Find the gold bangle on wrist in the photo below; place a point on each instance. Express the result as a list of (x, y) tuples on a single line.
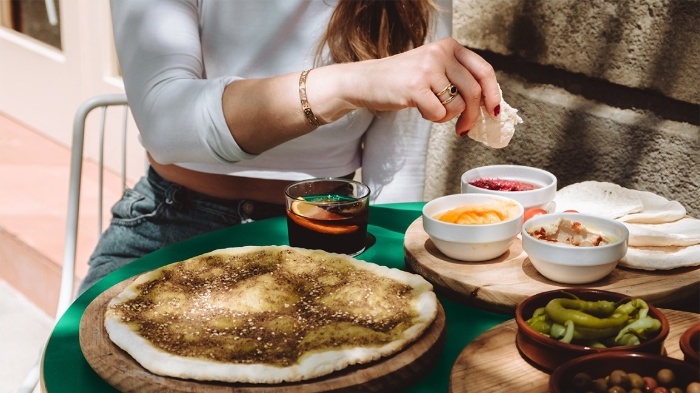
[(313, 120)]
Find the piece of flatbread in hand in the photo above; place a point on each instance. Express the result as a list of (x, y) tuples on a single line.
[(661, 258), (656, 209), (496, 131), (683, 232), (598, 198)]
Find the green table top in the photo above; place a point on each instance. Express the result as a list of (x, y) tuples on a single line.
[(64, 369)]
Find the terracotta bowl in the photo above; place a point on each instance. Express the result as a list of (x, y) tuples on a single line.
[(600, 365), (547, 353), (690, 344)]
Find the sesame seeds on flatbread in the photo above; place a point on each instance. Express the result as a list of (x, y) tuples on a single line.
[(268, 314)]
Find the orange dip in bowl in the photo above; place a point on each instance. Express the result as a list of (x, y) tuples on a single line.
[(490, 213)]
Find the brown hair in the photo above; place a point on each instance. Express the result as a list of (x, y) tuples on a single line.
[(372, 29)]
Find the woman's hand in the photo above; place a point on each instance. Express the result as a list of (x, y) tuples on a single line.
[(410, 79)]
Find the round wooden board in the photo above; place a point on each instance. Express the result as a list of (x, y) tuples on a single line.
[(492, 362), (121, 371), (501, 283)]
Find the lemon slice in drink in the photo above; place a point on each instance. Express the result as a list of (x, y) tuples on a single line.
[(309, 210), (303, 209)]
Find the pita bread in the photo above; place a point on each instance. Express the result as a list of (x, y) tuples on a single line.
[(683, 232), (661, 258), (268, 315), (655, 209), (598, 198), (495, 132), (661, 236)]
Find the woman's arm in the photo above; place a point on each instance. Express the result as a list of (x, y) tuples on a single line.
[(192, 119), (177, 109), (407, 80)]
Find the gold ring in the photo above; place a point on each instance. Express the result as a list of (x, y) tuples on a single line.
[(449, 99), (451, 89)]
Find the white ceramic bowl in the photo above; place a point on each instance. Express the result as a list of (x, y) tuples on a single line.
[(465, 242), (575, 264), (541, 197)]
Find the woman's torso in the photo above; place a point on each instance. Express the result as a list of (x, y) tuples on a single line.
[(255, 39)]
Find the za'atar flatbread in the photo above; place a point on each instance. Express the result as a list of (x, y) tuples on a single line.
[(496, 131), (268, 315)]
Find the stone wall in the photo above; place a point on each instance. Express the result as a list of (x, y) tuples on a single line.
[(608, 91)]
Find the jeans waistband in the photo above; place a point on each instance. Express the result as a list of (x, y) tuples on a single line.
[(176, 194)]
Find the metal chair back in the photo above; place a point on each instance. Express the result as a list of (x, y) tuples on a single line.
[(103, 103)]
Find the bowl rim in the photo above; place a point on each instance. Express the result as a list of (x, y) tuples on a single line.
[(521, 322), (428, 204), (556, 376), (552, 178), (685, 340), (567, 215)]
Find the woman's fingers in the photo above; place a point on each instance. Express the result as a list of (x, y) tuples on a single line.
[(420, 78), (470, 94), (484, 74), (477, 85), (451, 100), (430, 107)]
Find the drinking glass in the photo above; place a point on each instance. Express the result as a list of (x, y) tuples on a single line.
[(330, 214)]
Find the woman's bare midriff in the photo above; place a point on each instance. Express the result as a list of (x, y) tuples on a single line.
[(225, 186)]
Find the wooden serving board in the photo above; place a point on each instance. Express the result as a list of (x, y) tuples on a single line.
[(501, 283), (121, 371), (492, 362)]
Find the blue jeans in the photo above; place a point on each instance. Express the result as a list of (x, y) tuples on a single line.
[(157, 213)]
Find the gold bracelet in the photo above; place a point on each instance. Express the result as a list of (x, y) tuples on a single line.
[(313, 120)]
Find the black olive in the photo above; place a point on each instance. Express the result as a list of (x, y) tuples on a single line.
[(581, 382)]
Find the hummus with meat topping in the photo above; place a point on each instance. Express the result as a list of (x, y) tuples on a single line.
[(268, 315), (569, 232)]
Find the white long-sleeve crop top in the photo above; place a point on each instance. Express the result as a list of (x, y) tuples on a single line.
[(177, 56)]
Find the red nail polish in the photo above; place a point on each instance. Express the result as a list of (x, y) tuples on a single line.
[(497, 110), (463, 133)]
